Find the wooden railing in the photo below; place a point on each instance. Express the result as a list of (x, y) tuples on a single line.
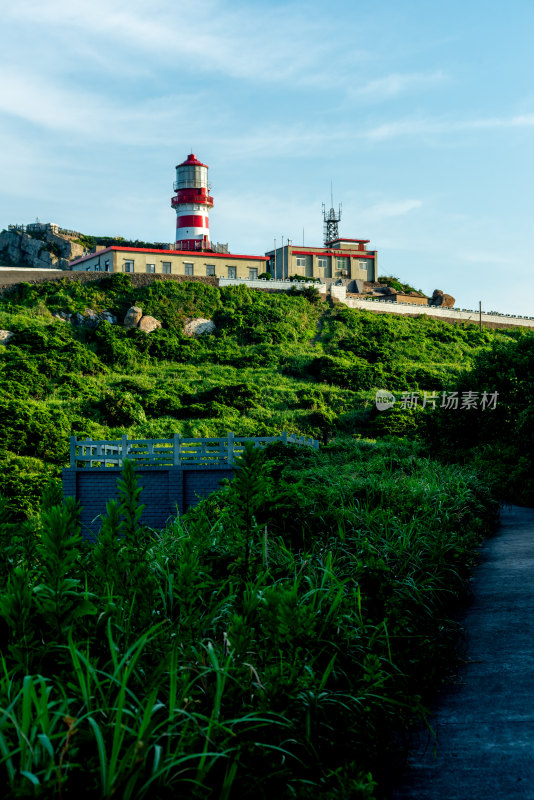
[(170, 452)]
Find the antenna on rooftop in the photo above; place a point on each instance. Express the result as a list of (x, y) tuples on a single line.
[(331, 219)]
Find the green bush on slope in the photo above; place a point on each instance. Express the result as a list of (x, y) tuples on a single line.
[(282, 347)]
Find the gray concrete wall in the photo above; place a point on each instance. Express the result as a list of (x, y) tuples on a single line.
[(166, 491), (9, 278)]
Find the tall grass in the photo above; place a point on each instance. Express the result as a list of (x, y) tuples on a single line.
[(271, 643)]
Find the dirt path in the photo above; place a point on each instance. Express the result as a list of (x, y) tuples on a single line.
[(318, 330), (485, 724)]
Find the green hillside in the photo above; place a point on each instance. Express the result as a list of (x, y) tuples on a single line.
[(282, 638), (278, 362)]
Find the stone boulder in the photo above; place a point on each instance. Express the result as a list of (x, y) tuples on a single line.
[(5, 336), (389, 290), (133, 315), (107, 316), (89, 318), (436, 299), (199, 327), (440, 299), (149, 324)]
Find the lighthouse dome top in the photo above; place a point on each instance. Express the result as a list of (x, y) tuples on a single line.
[(191, 160)]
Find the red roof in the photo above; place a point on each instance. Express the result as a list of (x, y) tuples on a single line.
[(191, 160)]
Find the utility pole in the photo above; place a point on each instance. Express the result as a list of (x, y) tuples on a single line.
[(480, 314)]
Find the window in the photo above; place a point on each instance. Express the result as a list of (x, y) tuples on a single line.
[(210, 270), (166, 266), (128, 266), (301, 261), (252, 274), (188, 268), (150, 267), (363, 265), (322, 262), (232, 272), (106, 265), (342, 263)]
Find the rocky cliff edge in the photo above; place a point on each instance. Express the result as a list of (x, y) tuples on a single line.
[(44, 250)]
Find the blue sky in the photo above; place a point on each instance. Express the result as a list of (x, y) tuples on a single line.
[(421, 114)]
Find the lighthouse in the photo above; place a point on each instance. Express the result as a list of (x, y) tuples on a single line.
[(192, 202)]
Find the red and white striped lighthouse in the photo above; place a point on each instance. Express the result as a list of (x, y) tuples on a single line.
[(192, 202)]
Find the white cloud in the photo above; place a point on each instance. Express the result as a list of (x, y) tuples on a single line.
[(251, 43), (426, 126), (391, 85), (89, 115), (390, 208)]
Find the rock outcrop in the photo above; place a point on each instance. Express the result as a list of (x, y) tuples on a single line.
[(46, 250), (5, 336), (89, 319), (133, 315), (107, 316), (440, 299), (149, 324), (199, 327)]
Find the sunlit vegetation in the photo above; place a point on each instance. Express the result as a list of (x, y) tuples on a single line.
[(273, 642), (283, 637), (298, 365)]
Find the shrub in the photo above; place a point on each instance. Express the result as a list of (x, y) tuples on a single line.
[(120, 409), (22, 482), (161, 403), (114, 347), (171, 302), (354, 373), (29, 429), (241, 396)]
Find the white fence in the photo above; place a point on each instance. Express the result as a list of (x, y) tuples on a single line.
[(171, 452), (262, 283)]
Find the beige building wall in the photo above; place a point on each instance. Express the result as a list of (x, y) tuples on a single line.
[(338, 262), (163, 262)]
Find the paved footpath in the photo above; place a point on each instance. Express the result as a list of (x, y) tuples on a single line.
[(485, 722)]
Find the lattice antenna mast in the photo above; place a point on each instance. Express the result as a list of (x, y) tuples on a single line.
[(331, 219)]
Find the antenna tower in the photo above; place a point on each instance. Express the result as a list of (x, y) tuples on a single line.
[(331, 220)]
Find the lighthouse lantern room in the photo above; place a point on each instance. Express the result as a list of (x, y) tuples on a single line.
[(192, 202)]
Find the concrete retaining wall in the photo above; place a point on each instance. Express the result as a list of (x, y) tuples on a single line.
[(11, 277), (166, 491), (445, 314)]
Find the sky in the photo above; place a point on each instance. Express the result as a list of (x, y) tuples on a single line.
[(420, 115)]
